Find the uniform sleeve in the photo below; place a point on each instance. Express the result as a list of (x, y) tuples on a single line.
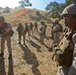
[(72, 70)]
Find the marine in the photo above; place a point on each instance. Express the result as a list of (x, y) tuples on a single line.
[(69, 16), (6, 33)]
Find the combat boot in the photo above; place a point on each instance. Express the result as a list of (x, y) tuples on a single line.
[(10, 56), (1, 54)]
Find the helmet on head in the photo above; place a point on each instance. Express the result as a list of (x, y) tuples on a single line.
[(42, 22), (56, 21), (20, 24), (2, 18), (69, 10)]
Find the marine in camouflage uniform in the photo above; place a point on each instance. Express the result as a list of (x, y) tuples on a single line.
[(56, 30), (69, 16), (31, 28), (6, 33), (29, 34), (20, 31), (52, 33), (25, 32), (35, 27), (43, 31)]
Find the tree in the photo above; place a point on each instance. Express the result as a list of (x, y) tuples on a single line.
[(55, 9), (24, 3)]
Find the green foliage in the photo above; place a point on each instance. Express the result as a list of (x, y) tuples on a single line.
[(24, 3), (70, 1), (55, 9), (51, 6)]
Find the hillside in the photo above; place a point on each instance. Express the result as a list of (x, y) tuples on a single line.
[(15, 15), (32, 58)]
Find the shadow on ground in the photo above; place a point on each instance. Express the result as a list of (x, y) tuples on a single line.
[(10, 67), (31, 58)]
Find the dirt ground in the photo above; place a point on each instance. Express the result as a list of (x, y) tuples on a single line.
[(30, 59)]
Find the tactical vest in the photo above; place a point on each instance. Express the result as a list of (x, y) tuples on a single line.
[(65, 55), (2, 30)]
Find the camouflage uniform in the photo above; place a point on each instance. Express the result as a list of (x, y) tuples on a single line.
[(29, 34), (69, 14), (63, 70), (20, 31), (31, 28), (6, 36), (43, 31), (56, 32), (52, 33), (35, 27), (24, 32)]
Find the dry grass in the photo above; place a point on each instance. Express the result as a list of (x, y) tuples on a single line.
[(30, 15), (33, 58)]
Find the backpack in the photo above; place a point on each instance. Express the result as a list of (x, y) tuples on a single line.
[(64, 57)]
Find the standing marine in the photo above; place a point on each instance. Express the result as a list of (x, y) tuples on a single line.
[(69, 63)]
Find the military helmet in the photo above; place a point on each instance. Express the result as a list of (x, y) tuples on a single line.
[(69, 10), (2, 18), (20, 24), (56, 21), (42, 22)]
